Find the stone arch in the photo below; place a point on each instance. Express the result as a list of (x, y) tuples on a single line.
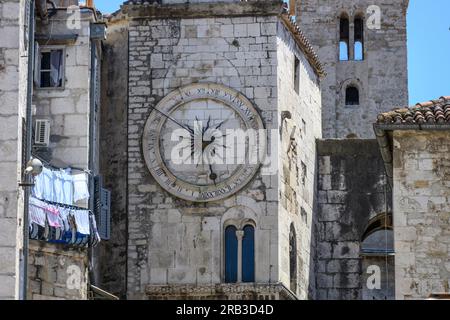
[(377, 259), (240, 217), (351, 83)]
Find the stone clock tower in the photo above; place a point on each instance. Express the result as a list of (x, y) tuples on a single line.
[(216, 139)]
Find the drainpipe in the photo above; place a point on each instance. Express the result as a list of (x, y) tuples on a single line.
[(28, 179), (91, 147)]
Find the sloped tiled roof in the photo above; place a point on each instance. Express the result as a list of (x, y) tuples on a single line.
[(304, 44), (433, 112)]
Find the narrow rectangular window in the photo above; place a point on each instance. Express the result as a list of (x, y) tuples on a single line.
[(248, 254), (51, 68), (344, 39), (297, 75), (231, 255), (359, 39)]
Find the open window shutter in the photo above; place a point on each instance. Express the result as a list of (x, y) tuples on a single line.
[(105, 215), (37, 55), (102, 208)]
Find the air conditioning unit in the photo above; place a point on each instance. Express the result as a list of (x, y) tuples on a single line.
[(42, 133)]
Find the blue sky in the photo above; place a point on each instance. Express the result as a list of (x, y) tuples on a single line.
[(428, 46)]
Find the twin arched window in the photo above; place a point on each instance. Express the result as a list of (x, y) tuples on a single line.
[(240, 254), (345, 41)]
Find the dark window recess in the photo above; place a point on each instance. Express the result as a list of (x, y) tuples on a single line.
[(344, 39), (248, 254), (231, 256), (359, 39), (51, 69), (351, 96), (297, 75), (293, 259)]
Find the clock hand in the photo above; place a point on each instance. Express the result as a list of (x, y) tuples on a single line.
[(207, 125), (212, 176), (175, 121)]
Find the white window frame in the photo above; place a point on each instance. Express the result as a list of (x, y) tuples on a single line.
[(39, 69)]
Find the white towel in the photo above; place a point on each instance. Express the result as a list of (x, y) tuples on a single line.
[(80, 187)]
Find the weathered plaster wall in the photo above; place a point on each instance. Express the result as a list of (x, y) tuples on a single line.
[(172, 241), (381, 77), (57, 273), (421, 213), (13, 71), (351, 191), (112, 254), (298, 170)]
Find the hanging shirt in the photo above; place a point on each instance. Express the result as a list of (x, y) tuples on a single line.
[(53, 216), (43, 185), (80, 187), (82, 221), (58, 186), (37, 213), (48, 190), (67, 186)]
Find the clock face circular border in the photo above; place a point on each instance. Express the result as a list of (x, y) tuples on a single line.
[(152, 149)]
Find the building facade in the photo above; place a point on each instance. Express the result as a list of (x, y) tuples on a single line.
[(414, 144), (50, 67), (178, 248), (362, 45)]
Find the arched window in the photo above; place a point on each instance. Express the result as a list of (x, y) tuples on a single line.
[(293, 259), (231, 255), (377, 253), (344, 38), (351, 96), (359, 39), (248, 254), (240, 254)]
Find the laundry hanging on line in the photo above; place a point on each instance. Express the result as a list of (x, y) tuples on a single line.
[(58, 223), (61, 186)]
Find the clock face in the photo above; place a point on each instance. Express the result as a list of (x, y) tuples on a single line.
[(204, 142)]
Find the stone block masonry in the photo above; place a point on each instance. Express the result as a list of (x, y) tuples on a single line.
[(421, 213), (351, 191), (172, 243), (381, 76), (164, 55), (13, 70)]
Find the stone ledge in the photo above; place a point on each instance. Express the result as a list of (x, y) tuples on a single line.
[(200, 10), (221, 291)]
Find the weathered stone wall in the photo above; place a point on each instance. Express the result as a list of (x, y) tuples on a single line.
[(421, 213), (67, 108), (172, 241), (111, 255), (351, 191), (57, 273), (381, 78), (298, 169), (13, 71)]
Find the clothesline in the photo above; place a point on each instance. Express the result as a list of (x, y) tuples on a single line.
[(48, 164), (67, 206)]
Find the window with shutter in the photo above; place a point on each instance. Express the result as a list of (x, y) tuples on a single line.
[(102, 208)]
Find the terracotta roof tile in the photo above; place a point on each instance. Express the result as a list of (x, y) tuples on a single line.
[(429, 113)]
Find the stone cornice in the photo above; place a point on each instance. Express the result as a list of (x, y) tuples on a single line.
[(219, 289), (138, 10)]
